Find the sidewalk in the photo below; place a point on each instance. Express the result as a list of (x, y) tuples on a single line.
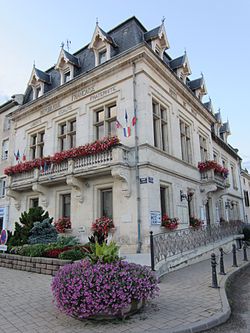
[(187, 303)]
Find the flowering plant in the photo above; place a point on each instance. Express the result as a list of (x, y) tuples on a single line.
[(102, 225), (85, 290), (86, 150), (213, 165), (169, 223), (195, 222), (62, 224)]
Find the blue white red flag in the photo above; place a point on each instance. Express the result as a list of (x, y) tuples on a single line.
[(127, 131)]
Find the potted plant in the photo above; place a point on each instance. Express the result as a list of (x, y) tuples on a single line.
[(195, 222), (169, 223)]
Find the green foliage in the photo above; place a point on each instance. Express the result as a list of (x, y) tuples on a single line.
[(26, 222), (74, 254), (43, 233), (35, 250), (106, 253), (63, 241)]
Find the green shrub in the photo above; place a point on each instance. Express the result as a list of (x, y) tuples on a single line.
[(43, 233), (63, 241), (35, 250), (25, 224), (74, 254), (105, 253)]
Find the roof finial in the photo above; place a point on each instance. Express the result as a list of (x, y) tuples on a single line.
[(68, 43), (34, 64), (185, 51), (202, 75), (163, 19), (62, 45), (96, 21)]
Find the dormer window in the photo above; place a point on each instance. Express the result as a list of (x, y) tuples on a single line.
[(66, 64), (101, 45), (66, 76), (37, 81), (181, 67), (102, 56), (158, 39)]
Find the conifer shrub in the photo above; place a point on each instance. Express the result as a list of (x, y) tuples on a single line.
[(43, 233)]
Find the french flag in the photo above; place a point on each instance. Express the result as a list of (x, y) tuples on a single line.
[(127, 131)]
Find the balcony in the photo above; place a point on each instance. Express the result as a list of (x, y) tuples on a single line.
[(81, 167), (210, 177)]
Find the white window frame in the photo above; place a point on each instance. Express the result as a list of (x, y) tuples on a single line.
[(69, 135), (2, 187), (5, 149), (203, 148), (160, 125), (107, 120), (186, 141), (36, 149)]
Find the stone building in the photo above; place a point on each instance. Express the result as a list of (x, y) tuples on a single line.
[(245, 181), (125, 84)]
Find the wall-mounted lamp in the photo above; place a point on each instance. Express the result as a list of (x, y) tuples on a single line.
[(183, 196)]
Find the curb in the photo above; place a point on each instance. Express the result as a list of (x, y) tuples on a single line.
[(216, 319)]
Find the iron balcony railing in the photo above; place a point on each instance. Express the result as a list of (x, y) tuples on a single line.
[(167, 244)]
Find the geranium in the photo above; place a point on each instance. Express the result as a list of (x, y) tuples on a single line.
[(81, 151), (84, 290), (169, 223), (102, 225), (213, 165), (195, 222), (62, 224)]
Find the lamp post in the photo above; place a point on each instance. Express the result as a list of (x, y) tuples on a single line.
[(187, 196)]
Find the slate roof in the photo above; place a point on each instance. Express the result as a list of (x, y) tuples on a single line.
[(108, 37), (225, 128), (195, 84), (43, 76), (71, 58), (152, 34), (177, 62)]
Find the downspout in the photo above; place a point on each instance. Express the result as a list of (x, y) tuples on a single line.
[(137, 179), (241, 190)]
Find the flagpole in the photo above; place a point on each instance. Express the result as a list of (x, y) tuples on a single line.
[(138, 199)]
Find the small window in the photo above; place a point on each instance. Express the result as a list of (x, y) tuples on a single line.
[(102, 56), (246, 198), (66, 77), (2, 188), (185, 133), (38, 92), (34, 202), (107, 202), (203, 148), (65, 205), (5, 149), (6, 124), (160, 126), (164, 200)]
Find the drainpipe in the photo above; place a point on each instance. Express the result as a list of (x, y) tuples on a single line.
[(241, 190), (137, 179)]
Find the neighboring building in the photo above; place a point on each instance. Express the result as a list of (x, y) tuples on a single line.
[(6, 141), (124, 83), (245, 183)]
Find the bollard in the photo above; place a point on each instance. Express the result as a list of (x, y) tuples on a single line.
[(222, 270), (234, 256), (245, 252), (152, 251), (214, 275)]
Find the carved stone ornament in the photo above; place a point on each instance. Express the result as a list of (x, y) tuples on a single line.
[(16, 196), (44, 193), (77, 186), (124, 175)]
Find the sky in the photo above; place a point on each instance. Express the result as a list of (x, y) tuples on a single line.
[(215, 34)]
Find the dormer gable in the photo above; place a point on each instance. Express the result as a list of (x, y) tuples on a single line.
[(198, 87), (101, 43), (65, 65), (158, 39), (37, 81), (181, 67), (225, 131), (209, 106)]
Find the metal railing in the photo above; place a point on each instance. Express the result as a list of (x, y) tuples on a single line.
[(167, 244)]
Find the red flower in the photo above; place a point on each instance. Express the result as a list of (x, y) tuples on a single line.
[(62, 224), (86, 150), (102, 225), (213, 165), (169, 223)]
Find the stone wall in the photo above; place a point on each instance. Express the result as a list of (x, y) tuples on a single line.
[(47, 266)]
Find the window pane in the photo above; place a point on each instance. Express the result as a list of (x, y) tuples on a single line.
[(164, 137), (72, 126), (63, 129), (66, 77), (100, 116), (33, 139), (100, 131), (102, 57), (163, 200), (112, 111), (156, 132), (72, 141), (66, 200), (111, 128), (106, 203), (34, 202)]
